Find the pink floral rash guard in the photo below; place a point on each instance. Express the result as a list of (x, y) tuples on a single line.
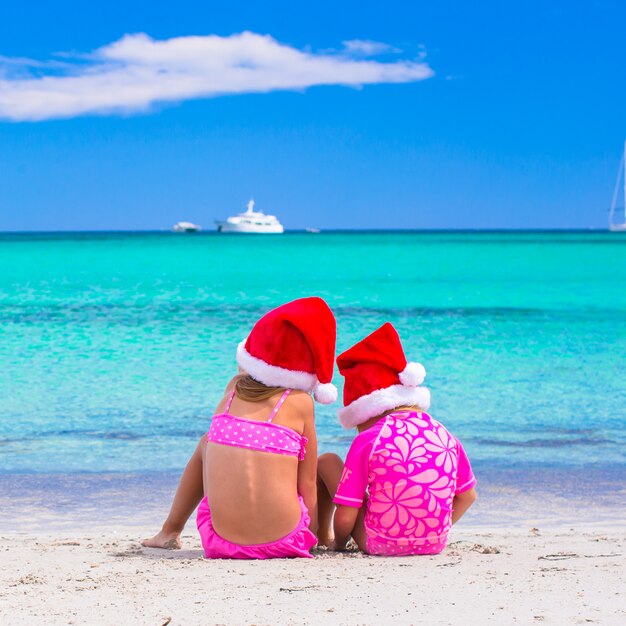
[(411, 468)]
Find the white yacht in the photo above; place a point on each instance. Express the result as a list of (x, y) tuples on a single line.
[(617, 215), (186, 227), (251, 221)]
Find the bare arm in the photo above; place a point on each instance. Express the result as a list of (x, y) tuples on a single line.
[(462, 503), (343, 525), (188, 494), (307, 469)]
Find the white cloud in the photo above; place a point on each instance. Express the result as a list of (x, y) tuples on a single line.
[(136, 72), (367, 47)]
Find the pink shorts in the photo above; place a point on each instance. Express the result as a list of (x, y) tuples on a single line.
[(381, 546), (297, 543)]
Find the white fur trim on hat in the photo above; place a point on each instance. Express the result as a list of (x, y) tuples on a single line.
[(325, 393), (272, 375), (382, 400), (413, 374)]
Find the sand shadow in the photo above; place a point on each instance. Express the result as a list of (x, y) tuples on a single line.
[(157, 554)]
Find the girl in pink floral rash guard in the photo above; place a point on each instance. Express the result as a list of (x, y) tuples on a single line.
[(406, 479)]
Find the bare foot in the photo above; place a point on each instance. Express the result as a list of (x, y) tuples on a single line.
[(167, 541), (324, 540)]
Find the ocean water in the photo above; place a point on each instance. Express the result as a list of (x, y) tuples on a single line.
[(115, 347)]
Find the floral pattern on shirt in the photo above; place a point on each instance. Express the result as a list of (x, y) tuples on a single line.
[(412, 478)]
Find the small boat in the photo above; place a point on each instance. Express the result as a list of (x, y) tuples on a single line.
[(617, 215), (312, 230), (186, 227), (251, 222)]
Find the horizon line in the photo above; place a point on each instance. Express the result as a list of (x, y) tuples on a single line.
[(321, 231)]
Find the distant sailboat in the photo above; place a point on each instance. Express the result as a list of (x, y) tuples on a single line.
[(617, 223)]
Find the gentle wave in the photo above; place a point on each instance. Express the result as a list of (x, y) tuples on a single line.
[(544, 443), (140, 314), (190, 434), (95, 435)]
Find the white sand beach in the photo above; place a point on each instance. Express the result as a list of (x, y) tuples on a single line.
[(501, 577)]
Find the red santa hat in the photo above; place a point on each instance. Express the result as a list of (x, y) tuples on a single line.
[(378, 378), (293, 346)]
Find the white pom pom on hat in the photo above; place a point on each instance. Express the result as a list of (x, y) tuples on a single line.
[(325, 393), (412, 375)]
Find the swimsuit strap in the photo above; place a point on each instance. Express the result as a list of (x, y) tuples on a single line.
[(229, 401), (278, 405)]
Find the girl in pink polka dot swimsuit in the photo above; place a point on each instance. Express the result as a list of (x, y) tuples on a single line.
[(253, 475), (406, 479)]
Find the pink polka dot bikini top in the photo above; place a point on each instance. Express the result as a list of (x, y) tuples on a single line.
[(231, 430)]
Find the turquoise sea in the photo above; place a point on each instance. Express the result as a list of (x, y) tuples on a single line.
[(115, 347)]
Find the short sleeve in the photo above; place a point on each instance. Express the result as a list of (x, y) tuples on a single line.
[(465, 478), (353, 483)]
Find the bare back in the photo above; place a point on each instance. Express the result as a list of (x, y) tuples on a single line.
[(253, 494)]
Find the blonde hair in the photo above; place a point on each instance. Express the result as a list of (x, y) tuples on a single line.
[(412, 407), (250, 390)]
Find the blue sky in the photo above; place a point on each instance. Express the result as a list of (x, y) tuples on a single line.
[(521, 125)]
